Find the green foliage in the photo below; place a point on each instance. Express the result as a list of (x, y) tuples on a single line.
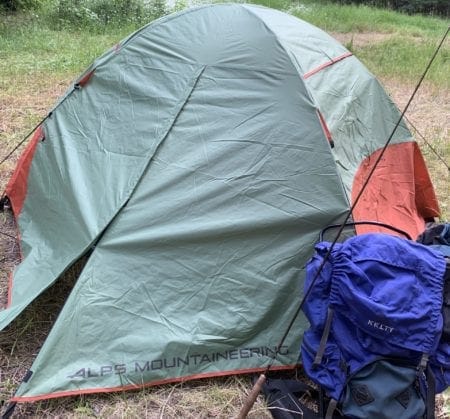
[(436, 7), (98, 14), (274, 4), (350, 18), (400, 46), (394, 57), (428, 7), (16, 5)]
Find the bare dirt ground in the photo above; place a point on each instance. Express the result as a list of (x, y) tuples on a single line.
[(19, 111)]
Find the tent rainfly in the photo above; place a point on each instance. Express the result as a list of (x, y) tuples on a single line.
[(196, 162)]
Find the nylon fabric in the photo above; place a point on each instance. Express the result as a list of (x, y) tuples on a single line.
[(400, 192), (359, 127), (68, 177), (386, 294), (385, 391)]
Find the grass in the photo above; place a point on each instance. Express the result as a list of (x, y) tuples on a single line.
[(408, 44), (38, 63), (393, 56), (60, 52), (436, 150), (70, 51), (350, 18)]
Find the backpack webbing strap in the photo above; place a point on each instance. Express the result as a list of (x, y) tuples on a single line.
[(324, 338), (431, 393), (331, 408), (321, 402)]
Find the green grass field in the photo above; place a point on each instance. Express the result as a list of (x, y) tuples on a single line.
[(40, 57)]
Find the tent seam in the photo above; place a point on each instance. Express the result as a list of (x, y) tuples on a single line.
[(98, 237), (310, 96), (294, 63)]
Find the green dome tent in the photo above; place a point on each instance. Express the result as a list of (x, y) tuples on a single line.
[(196, 162)]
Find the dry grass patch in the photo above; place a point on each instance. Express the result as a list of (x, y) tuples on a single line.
[(211, 398), (9, 254), (22, 106)]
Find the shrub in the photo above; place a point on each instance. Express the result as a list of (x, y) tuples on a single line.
[(15, 5), (433, 7), (95, 14)]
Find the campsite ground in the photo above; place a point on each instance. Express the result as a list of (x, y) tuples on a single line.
[(26, 96)]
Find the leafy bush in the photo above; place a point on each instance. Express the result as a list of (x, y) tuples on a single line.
[(437, 7), (433, 7), (15, 5), (97, 14)]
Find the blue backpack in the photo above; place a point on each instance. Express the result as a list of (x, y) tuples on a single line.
[(375, 344)]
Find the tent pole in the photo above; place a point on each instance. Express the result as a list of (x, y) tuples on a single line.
[(251, 398)]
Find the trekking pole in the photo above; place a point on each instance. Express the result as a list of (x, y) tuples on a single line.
[(251, 398)]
